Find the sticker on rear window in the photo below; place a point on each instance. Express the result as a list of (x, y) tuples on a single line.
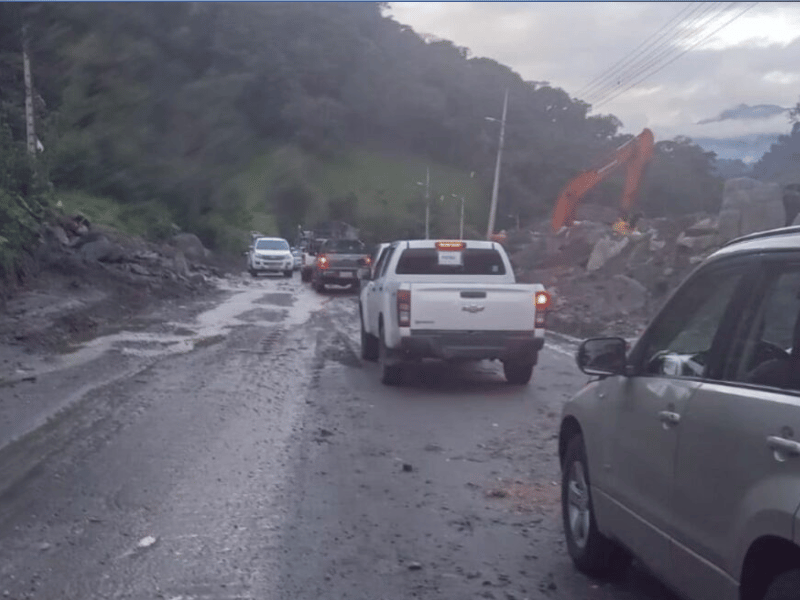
[(454, 259)]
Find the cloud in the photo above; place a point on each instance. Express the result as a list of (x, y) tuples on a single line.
[(753, 61)]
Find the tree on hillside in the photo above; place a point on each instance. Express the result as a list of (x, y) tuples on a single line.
[(781, 163), (679, 180)]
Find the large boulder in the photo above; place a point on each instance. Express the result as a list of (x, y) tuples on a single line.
[(749, 206), (102, 250), (190, 245), (604, 250)]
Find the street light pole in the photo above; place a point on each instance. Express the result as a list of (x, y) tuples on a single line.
[(461, 223), (427, 185), (427, 202), (493, 209)]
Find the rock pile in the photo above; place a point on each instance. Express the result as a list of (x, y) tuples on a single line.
[(604, 283)]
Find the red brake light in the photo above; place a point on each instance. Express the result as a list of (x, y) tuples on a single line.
[(541, 300), (450, 245), (404, 308), (322, 261)]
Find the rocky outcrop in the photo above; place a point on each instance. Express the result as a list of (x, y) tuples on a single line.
[(749, 206)]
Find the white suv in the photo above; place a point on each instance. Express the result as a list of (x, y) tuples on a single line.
[(685, 451), (270, 255)]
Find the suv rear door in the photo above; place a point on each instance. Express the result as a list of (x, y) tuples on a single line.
[(738, 463)]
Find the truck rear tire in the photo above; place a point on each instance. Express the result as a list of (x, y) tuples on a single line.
[(318, 286), (518, 373), (391, 374), (369, 345), (288, 273), (305, 275)]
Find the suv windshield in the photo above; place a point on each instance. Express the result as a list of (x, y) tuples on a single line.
[(344, 247), (272, 245), (425, 261)]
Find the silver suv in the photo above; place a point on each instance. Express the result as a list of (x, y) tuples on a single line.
[(685, 451)]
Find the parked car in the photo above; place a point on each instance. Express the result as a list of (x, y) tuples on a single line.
[(270, 255), (452, 300), (338, 263), (684, 452)]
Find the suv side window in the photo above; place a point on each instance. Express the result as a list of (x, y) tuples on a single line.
[(680, 340), (767, 346)]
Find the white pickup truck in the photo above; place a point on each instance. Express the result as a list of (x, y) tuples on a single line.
[(452, 300)]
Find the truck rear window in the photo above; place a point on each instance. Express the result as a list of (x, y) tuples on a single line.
[(424, 261), (344, 247)]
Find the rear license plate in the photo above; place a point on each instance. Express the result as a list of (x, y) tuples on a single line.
[(346, 274)]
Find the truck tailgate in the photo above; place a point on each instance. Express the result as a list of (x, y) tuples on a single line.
[(465, 307)]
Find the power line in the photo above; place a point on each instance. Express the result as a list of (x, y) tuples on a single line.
[(691, 31), (607, 73), (701, 20), (753, 5)]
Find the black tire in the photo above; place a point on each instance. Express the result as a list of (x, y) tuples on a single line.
[(592, 552), (305, 275), (288, 273), (253, 273), (785, 586), (369, 344), (391, 374), (318, 286), (518, 373)]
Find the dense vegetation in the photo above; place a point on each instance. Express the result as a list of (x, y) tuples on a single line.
[(160, 108)]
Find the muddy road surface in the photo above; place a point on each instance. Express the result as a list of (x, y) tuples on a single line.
[(248, 452)]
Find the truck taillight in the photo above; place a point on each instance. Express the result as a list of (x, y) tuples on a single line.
[(322, 261), (404, 308), (541, 300)]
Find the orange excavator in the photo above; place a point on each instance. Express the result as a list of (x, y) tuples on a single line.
[(636, 154)]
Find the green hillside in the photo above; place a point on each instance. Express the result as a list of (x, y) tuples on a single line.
[(378, 193)]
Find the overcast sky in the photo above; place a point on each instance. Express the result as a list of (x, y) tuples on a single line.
[(753, 60)]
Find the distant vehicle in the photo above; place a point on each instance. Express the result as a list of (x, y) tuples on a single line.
[(452, 300), (270, 255), (338, 262), (297, 254), (309, 258), (684, 451)]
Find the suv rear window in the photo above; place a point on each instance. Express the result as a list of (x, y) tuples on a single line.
[(344, 247), (424, 261)]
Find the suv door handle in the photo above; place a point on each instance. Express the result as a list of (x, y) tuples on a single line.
[(780, 444), (669, 417)]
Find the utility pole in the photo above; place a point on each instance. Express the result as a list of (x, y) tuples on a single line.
[(461, 225), (427, 202), (493, 209), (26, 65)]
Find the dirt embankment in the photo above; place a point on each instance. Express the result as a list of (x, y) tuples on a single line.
[(85, 281)]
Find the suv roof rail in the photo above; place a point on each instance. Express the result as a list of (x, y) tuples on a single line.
[(764, 234)]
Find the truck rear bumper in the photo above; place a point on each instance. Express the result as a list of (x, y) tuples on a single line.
[(338, 276), (472, 345)]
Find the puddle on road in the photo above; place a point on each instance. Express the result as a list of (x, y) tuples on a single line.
[(244, 307)]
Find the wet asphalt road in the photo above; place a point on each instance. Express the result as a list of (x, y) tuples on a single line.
[(249, 453)]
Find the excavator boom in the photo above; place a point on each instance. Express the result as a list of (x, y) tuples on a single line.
[(635, 153)]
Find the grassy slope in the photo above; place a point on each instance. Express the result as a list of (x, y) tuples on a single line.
[(389, 199), (390, 203)]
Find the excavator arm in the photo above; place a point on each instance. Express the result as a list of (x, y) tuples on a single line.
[(635, 154)]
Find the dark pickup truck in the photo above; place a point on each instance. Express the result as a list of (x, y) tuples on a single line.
[(338, 263)]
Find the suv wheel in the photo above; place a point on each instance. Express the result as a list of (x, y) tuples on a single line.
[(784, 587), (518, 373), (369, 344), (591, 551), (288, 273), (391, 374), (253, 273)]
